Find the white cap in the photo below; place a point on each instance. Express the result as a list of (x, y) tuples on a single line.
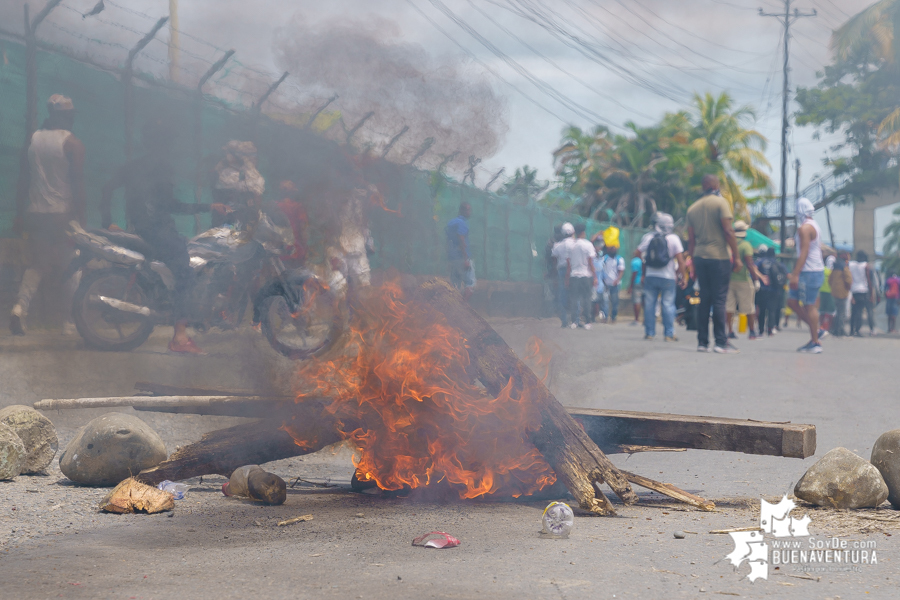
[(568, 229), (59, 102)]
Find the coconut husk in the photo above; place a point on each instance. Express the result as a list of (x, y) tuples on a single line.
[(133, 496)]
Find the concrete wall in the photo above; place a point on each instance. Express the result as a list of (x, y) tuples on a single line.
[(864, 219)]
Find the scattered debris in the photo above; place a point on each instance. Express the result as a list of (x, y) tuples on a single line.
[(178, 490), (436, 539), (558, 520), (251, 481), (12, 453), (37, 434), (734, 530), (299, 519), (111, 448), (841, 479), (886, 458), (133, 496)]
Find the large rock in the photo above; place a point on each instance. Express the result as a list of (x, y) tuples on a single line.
[(12, 453), (842, 479), (886, 458), (110, 449), (36, 432)]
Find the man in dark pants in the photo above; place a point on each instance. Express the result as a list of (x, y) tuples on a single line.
[(710, 238), (149, 204)]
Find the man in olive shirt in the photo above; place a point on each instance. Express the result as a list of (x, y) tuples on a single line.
[(710, 238)]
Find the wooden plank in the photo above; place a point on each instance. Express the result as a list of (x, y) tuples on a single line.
[(613, 428), (147, 401), (667, 489), (159, 389)]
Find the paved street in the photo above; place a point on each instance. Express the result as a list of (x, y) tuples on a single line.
[(358, 545)]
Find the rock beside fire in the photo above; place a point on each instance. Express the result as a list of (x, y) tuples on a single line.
[(111, 448), (841, 479), (886, 458), (36, 432), (12, 453)]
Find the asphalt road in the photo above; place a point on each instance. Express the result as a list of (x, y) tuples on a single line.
[(54, 543)]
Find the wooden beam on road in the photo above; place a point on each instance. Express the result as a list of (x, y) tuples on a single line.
[(611, 429)]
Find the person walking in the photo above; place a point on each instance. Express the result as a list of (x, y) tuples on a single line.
[(826, 300), (560, 253), (56, 196), (808, 274), (741, 289), (710, 238), (863, 294), (613, 269), (581, 277), (840, 281), (635, 290), (462, 270), (662, 251)]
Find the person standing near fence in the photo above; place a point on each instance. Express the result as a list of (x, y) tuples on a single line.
[(560, 252), (613, 269), (840, 281), (56, 195), (710, 238), (581, 277), (462, 270)]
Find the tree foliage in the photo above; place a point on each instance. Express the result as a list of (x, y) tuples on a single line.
[(627, 177)]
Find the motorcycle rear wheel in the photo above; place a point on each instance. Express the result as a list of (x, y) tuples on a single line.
[(308, 332), (103, 327)]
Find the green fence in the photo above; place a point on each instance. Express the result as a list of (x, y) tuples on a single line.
[(507, 238)]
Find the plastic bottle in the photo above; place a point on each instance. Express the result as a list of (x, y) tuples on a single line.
[(176, 489), (558, 520)]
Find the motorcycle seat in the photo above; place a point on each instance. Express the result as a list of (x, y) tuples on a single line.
[(126, 240)]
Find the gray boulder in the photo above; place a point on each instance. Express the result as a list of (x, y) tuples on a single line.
[(842, 479), (886, 458), (110, 449), (36, 432), (12, 453)]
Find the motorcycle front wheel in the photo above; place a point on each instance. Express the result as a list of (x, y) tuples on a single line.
[(104, 327), (310, 330)]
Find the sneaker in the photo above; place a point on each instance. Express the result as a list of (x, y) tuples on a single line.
[(573, 326), (752, 336), (805, 347), (732, 336), (823, 333), (633, 323), (649, 337), (588, 326), (671, 338), (815, 349), (728, 349), (702, 348)]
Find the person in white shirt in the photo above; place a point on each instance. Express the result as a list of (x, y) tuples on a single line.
[(581, 276), (660, 279), (560, 252), (613, 269), (808, 274), (862, 294)]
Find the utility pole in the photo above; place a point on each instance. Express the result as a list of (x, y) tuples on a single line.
[(787, 19)]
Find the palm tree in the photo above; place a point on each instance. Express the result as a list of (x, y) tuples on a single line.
[(874, 25), (580, 159), (730, 150), (524, 185)]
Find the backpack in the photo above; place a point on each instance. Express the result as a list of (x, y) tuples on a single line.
[(657, 254), (778, 276), (893, 288)]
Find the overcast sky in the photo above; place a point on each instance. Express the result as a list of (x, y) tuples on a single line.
[(550, 62)]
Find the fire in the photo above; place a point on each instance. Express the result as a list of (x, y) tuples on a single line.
[(405, 401)]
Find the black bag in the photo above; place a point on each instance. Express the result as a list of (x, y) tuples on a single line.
[(778, 275), (657, 254)]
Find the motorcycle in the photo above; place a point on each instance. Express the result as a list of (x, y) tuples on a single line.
[(117, 306)]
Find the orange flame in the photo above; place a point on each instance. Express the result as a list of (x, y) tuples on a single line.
[(417, 417)]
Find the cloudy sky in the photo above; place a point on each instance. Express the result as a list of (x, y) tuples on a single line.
[(534, 66)]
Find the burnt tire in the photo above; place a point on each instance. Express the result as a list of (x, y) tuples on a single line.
[(311, 330), (105, 328)]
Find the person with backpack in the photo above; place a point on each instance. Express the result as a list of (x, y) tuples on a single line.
[(662, 251), (863, 294), (892, 300)]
